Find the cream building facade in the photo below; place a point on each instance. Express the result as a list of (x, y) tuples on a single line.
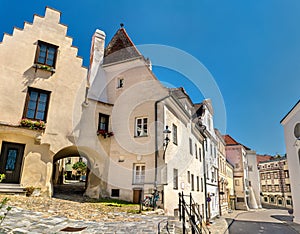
[(114, 116), (42, 88), (291, 125), (126, 99)]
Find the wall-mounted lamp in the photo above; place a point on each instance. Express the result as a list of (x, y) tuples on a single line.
[(166, 133)]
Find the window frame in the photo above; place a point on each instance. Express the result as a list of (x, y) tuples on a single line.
[(192, 182), (143, 129), (191, 146), (27, 100), (120, 82), (48, 46), (174, 134), (106, 117), (175, 178), (139, 175)]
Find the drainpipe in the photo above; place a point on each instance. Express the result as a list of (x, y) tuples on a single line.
[(156, 134)]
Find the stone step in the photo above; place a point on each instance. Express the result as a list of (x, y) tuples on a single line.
[(12, 189)]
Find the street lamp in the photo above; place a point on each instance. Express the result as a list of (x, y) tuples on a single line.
[(166, 133)]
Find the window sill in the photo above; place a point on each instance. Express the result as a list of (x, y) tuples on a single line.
[(43, 67), (140, 136)]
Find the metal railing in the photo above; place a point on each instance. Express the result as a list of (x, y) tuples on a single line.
[(190, 213)]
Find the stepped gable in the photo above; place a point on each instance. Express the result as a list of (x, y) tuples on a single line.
[(120, 48)]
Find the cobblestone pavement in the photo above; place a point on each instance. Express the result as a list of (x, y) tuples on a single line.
[(72, 213), (24, 221)]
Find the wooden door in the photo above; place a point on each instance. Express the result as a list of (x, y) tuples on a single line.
[(11, 161), (137, 195)]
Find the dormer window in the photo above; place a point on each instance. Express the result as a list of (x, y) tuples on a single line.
[(46, 54)]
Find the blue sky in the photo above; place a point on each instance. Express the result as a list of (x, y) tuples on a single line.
[(252, 49)]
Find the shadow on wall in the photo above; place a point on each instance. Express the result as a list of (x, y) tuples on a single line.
[(32, 75)]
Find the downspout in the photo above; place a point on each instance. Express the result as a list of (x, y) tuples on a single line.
[(156, 134)]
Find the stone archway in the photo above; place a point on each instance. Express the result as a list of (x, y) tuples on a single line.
[(96, 179)]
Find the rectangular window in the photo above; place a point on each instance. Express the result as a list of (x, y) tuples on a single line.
[(201, 184), (277, 188), (200, 155), (103, 122), (275, 175), (288, 188), (196, 151), (198, 185), (286, 174), (115, 192), (262, 176), (270, 188), (139, 174), (36, 105), (174, 134), (192, 181), (191, 146), (266, 199), (189, 177), (46, 54), (268, 176), (264, 188), (236, 182), (120, 83), (175, 178), (288, 202), (141, 127)]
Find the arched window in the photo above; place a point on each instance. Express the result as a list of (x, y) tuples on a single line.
[(297, 130)]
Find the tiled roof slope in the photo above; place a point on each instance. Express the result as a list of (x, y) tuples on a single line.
[(263, 158), (230, 141), (120, 48)]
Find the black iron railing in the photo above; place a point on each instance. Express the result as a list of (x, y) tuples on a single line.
[(190, 215)]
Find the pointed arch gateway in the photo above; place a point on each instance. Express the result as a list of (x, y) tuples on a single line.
[(95, 183)]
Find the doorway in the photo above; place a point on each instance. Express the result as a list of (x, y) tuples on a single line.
[(137, 196), (11, 161)]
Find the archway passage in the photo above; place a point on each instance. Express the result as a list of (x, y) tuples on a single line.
[(70, 173)]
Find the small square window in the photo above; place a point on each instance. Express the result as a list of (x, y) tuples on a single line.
[(46, 54), (115, 192), (120, 83)]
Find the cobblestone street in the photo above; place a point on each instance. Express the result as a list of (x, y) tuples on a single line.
[(73, 213)]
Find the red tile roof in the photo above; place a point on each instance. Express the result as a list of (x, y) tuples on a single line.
[(230, 141), (263, 158)]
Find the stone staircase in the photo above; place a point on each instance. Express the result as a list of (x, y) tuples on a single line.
[(12, 189)]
